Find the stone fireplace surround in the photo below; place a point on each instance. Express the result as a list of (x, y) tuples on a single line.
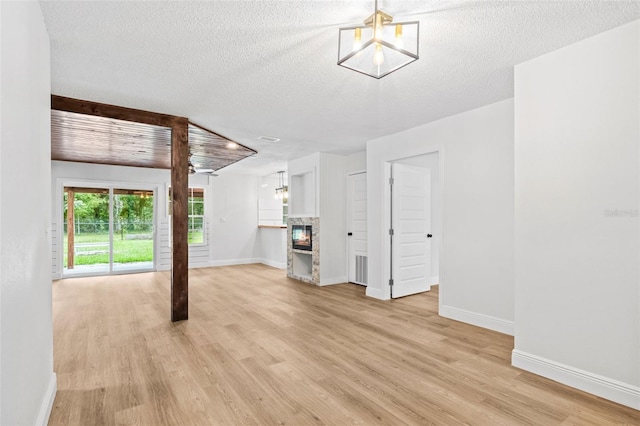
[(304, 265)]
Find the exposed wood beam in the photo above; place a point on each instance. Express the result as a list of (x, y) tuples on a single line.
[(70, 230), (80, 106), (180, 218)]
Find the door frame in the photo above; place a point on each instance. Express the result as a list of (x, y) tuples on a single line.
[(386, 220), (58, 214)]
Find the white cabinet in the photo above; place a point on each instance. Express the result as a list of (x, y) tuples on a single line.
[(271, 210)]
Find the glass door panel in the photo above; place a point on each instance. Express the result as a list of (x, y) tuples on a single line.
[(86, 243), (132, 229)]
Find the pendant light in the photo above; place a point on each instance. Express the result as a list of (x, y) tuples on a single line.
[(282, 191), (386, 48)]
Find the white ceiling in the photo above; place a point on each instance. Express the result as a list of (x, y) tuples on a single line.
[(250, 68)]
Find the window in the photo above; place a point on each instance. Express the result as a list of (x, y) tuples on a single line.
[(285, 210), (195, 208), (196, 216)]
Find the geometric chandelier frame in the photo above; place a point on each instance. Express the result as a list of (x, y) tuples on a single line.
[(380, 46)]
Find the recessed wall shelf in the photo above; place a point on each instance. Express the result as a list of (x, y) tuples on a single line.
[(302, 265), (302, 198)]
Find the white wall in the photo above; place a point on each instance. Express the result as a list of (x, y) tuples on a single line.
[(231, 210), (332, 212), (234, 221), (476, 155), (577, 263), (28, 381), (356, 162)]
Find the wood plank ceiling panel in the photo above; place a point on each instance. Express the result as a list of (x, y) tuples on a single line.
[(212, 151), (100, 140), (90, 139)]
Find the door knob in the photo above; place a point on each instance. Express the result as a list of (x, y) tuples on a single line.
[(429, 235), (349, 234)]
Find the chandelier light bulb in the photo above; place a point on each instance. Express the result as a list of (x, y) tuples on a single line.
[(398, 42), (378, 27), (378, 57), (357, 39)]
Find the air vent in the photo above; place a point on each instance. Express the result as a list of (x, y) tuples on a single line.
[(361, 270), (268, 139)]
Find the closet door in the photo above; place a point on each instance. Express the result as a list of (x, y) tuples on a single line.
[(411, 222), (357, 228)]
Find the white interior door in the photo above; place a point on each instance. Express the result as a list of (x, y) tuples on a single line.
[(411, 223), (357, 228)]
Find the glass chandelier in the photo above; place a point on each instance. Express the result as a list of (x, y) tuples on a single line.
[(379, 47)]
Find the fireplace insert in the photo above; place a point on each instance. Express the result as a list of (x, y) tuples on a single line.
[(301, 237)]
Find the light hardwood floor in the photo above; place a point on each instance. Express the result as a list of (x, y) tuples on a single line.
[(261, 349)]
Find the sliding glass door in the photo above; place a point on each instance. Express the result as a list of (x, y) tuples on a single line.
[(133, 229), (107, 230), (86, 241)]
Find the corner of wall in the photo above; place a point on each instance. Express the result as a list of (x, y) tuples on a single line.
[(376, 293), (480, 320), (604, 387), (273, 264), (47, 401), (333, 280)]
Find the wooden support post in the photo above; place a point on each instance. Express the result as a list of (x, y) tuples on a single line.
[(70, 230), (180, 219)]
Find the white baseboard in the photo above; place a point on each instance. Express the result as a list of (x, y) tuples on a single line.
[(197, 265), (434, 280), (47, 401), (480, 320), (279, 265), (230, 262), (604, 387), (376, 293), (332, 281)]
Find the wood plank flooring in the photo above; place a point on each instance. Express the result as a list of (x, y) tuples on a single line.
[(262, 349)]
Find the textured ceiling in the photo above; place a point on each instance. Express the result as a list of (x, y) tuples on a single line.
[(250, 68)]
